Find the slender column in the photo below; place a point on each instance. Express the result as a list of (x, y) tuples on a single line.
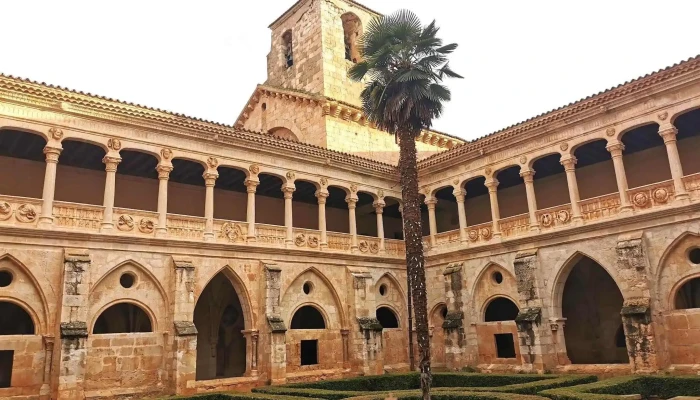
[(209, 182), (379, 209), (492, 185), (615, 149), (352, 205), (48, 358), (322, 196), (52, 154), (254, 360), (460, 195), (668, 133), (251, 187), (111, 163), (431, 202), (528, 176), (288, 222), (569, 163), (163, 176)]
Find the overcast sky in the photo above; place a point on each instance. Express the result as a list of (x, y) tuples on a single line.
[(203, 58)]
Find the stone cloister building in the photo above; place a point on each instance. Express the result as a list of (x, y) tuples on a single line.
[(149, 253)]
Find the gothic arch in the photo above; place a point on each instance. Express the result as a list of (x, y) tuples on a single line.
[(490, 300), (145, 308), (315, 306), (669, 277), (489, 267), (673, 293), (240, 289), (140, 267), (39, 311), (283, 133), (395, 283), (435, 311), (297, 282)]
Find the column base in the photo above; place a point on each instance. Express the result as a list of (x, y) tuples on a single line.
[(209, 237), (106, 227), (288, 243), (323, 246), (251, 239), (626, 210), (161, 232), (535, 228), (45, 222), (682, 198), (497, 236), (354, 249), (577, 221)]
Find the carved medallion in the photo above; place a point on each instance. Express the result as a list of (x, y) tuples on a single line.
[(546, 220), (56, 133), (114, 144), (455, 182), (663, 115), (146, 226), (563, 216), (125, 223), (291, 175), (488, 171), (610, 132), (661, 195), (473, 235), (523, 160), (254, 169), (364, 246), (313, 241), (485, 233), (300, 240), (640, 199), (26, 213), (212, 162), (373, 248), (5, 211), (166, 154), (564, 146), (232, 232)]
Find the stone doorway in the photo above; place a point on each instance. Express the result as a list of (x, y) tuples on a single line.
[(221, 346)]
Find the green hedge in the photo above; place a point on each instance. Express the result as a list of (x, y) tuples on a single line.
[(618, 388), (446, 395), (234, 396)]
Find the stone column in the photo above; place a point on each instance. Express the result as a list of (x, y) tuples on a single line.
[(52, 153), (164, 170), (528, 176), (569, 163), (668, 133), (111, 162), (185, 340), (322, 196), (45, 391), (368, 338), (379, 210), (431, 202), (288, 219), (209, 182), (352, 199), (615, 149), (559, 340), (492, 185), (73, 325), (251, 187), (254, 336), (457, 353), (278, 329), (460, 195)]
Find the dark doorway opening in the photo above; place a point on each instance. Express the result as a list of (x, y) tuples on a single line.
[(14, 320), (6, 358), (500, 309), (688, 296), (309, 352), (308, 317), (505, 346), (387, 318), (122, 318)]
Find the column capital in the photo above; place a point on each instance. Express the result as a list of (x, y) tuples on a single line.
[(164, 171), (322, 195), (615, 148), (251, 185), (379, 206), (431, 202), (210, 177), (352, 200), (111, 163), (668, 133), (492, 185), (569, 162), (528, 174), (52, 153), (459, 194), (288, 191)]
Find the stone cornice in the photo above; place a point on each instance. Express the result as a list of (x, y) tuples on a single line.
[(299, 3)]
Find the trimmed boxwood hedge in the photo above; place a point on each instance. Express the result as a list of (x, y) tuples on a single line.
[(619, 388), (234, 396), (446, 395)]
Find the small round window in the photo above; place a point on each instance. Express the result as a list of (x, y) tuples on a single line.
[(308, 287), (382, 289), (497, 277), (127, 280), (5, 278), (694, 255)]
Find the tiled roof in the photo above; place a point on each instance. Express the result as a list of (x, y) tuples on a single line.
[(168, 119), (567, 111)]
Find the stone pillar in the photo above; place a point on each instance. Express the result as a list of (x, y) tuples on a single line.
[(431, 202), (457, 354), (559, 341), (633, 266), (352, 199), (278, 329), (569, 163), (322, 196), (528, 176), (368, 339), (492, 185), (184, 345), (52, 153), (73, 325), (164, 169), (45, 391), (460, 195), (615, 149), (288, 191), (379, 210), (668, 133), (209, 181), (251, 187), (111, 162)]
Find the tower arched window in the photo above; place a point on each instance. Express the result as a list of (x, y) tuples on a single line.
[(352, 30), (287, 48)]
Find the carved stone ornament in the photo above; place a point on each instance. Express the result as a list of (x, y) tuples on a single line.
[(455, 182), (26, 213), (374, 248), (212, 162), (661, 195), (380, 194), (313, 241), (114, 144), (146, 226), (291, 175), (300, 240), (610, 132), (473, 235), (166, 153), (233, 232), (125, 223), (56, 133), (523, 160), (487, 171), (5, 211), (324, 182), (546, 220), (254, 169), (564, 146), (485, 233), (662, 116), (364, 246), (353, 187), (563, 216), (640, 199)]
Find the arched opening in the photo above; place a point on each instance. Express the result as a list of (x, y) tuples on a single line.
[(283, 133), (437, 341), (122, 318), (136, 181), (80, 176), (500, 309), (230, 194), (620, 338), (595, 173), (366, 215), (15, 320), (645, 157), (551, 187), (305, 205), (269, 197), (186, 190), (688, 125), (688, 295), (446, 214), (352, 30), (393, 223), (307, 317), (337, 214), (219, 318), (477, 204), (287, 48), (387, 318), (512, 199), (424, 216), (591, 304), (22, 151)]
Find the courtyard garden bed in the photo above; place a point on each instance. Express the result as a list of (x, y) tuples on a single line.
[(647, 387)]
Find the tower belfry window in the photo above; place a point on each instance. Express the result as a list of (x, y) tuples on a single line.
[(352, 30), (288, 50)]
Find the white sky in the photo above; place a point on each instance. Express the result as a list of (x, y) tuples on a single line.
[(203, 58)]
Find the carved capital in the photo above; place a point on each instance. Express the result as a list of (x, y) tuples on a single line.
[(322, 196), (288, 191), (431, 202), (352, 201), (164, 171), (251, 185), (111, 163), (459, 194), (379, 206), (615, 148), (668, 133), (528, 175), (52, 154), (210, 177), (492, 185), (569, 162)]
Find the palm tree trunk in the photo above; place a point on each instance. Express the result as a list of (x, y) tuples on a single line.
[(415, 262)]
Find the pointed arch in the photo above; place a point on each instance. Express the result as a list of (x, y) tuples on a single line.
[(668, 279), (331, 288), (482, 273), (314, 307), (508, 305), (672, 246), (38, 329), (240, 289), (435, 310), (390, 276), (141, 268), (41, 317), (142, 306)]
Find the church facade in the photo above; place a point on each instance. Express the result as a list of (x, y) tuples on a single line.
[(146, 253)]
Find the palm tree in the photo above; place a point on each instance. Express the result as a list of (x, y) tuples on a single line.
[(404, 64)]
